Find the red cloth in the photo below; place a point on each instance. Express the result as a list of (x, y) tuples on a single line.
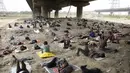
[(55, 70)]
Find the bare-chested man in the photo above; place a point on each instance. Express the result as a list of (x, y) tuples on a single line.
[(84, 51)]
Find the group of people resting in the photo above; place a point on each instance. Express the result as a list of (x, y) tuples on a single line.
[(100, 50), (58, 65), (93, 53), (66, 40)]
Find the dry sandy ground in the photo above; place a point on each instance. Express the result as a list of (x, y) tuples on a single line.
[(4, 22), (113, 63)]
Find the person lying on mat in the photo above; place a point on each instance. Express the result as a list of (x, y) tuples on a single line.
[(45, 47), (21, 65)]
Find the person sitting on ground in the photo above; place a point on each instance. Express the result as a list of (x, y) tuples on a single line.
[(101, 34), (114, 37), (85, 51), (92, 33), (45, 47), (111, 36), (66, 40), (93, 53), (103, 43)]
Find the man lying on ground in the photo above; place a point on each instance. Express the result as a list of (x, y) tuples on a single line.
[(21, 68)]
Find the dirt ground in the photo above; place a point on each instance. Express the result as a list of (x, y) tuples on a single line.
[(112, 63)]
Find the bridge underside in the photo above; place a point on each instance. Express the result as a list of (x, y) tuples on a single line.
[(44, 7)]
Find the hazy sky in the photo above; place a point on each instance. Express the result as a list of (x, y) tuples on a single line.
[(21, 5)]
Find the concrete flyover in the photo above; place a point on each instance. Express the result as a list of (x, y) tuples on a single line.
[(114, 10), (44, 7)]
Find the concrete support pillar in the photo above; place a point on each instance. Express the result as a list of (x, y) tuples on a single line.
[(36, 13), (111, 13), (33, 14), (129, 13), (49, 14), (99, 13), (44, 12), (79, 11), (56, 13)]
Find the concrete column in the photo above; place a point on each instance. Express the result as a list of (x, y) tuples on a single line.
[(129, 13), (56, 13), (49, 14), (44, 12), (79, 11), (36, 13), (33, 14), (111, 13), (99, 13)]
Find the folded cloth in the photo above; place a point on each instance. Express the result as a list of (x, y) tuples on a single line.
[(45, 54)]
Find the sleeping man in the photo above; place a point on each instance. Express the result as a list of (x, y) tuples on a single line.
[(21, 66)]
